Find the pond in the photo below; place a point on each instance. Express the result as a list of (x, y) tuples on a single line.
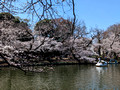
[(69, 77)]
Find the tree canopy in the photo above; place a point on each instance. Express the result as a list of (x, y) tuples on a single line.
[(53, 35)]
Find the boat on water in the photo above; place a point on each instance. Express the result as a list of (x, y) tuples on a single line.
[(101, 63), (113, 61)]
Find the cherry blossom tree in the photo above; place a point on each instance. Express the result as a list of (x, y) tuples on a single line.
[(111, 40)]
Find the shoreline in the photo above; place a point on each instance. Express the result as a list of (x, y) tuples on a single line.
[(46, 63), (54, 63)]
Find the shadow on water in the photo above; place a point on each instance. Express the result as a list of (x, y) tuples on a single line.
[(71, 77)]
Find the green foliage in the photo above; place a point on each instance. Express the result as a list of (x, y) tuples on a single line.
[(21, 21), (43, 21), (6, 15), (26, 20), (16, 20), (118, 58)]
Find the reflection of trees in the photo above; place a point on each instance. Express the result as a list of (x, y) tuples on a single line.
[(81, 77), (86, 78), (100, 77), (4, 80), (61, 79)]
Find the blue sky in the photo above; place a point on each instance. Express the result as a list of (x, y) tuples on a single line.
[(96, 13)]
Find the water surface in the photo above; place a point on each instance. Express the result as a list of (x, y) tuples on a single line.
[(69, 77)]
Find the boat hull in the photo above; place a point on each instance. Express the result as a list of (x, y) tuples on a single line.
[(101, 65)]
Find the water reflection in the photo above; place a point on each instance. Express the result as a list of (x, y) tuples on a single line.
[(83, 77), (101, 69)]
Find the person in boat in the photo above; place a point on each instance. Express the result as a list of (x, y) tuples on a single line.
[(99, 59)]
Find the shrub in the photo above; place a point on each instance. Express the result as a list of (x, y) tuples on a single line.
[(16, 20), (6, 16)]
